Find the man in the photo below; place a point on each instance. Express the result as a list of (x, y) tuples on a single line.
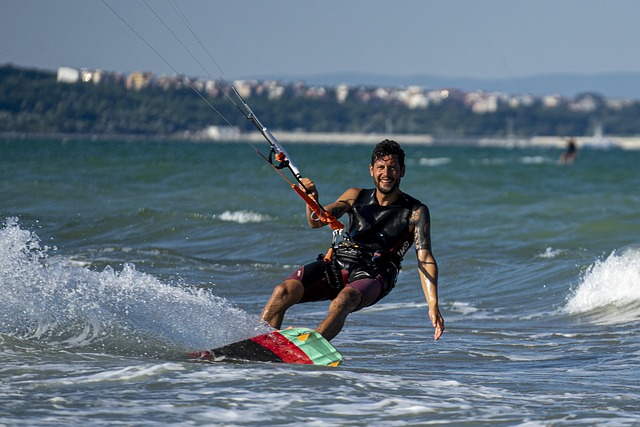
[(384, 222), (570, 153)]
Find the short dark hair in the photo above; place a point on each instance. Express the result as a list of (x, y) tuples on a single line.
[(386, 148)]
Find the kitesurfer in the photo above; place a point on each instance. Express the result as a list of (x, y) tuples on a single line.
[(569, 155), (384, 223)]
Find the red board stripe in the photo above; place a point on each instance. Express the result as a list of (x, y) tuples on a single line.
[(286, 350)]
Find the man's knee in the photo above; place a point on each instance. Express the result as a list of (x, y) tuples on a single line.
[(347, 300), (289, 290)]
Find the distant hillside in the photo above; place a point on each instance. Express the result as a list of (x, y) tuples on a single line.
[(609, 85), (34, 102)]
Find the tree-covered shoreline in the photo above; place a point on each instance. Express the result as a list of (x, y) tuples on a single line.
[(33, 102)]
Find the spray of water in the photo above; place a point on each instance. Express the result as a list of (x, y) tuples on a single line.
[(49, 300), (610, 288)]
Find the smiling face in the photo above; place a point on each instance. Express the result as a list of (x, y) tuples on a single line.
[(387, 174)]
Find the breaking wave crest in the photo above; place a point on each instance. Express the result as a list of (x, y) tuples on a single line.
[(610, 288)]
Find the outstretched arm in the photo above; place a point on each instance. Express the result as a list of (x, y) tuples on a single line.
[(427, 267)]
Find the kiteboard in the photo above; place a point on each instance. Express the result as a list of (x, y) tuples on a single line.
[(295, 345)]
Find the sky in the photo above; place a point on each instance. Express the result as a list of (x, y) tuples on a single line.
[(253, 38)]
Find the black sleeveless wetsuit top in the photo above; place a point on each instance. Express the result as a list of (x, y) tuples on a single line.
[(382, 228), (379, 239)]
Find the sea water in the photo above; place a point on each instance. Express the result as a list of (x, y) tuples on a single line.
[(117, 258)]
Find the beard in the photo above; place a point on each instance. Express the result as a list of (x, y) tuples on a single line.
[(385, 188)]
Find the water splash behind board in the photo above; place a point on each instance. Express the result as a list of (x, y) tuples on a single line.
[(52, 301)]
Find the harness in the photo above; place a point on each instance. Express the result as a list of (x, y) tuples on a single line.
[(360, 262), (379, 238)]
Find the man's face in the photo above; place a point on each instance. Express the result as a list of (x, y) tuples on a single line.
[(387, 173)]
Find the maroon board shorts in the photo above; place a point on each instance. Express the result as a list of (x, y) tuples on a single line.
[(318, 288)]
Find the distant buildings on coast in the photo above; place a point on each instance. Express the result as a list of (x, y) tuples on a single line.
[(413, 97)]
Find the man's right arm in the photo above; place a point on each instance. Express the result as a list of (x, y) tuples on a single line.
[(336, 209)]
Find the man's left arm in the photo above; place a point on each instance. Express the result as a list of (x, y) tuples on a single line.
[(427, 267)]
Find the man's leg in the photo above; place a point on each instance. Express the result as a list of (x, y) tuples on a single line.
[(347, 300), (284, 295)]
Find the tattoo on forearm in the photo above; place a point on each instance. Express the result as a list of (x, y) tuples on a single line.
[(420, 221)]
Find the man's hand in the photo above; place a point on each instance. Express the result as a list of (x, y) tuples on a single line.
[(309, 187), (438, 323)]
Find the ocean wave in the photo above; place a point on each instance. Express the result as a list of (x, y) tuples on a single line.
[(550, 253), (438, 161), (242, 217), (610, 288), (534, 160)]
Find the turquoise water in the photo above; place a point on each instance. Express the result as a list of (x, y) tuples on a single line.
[(117, 258)]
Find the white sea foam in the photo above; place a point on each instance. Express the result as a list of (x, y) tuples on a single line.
[(610, 284), (438, 161), (393, 306), (550, 253), (129, 373), (243, 217), (533, 160), (463, 308)]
